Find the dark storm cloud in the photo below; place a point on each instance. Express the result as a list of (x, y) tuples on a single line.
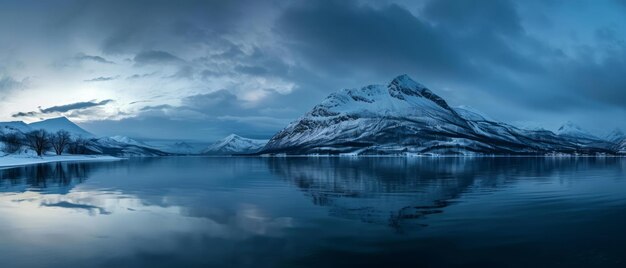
[(75, 106), (64, 108), (491, 54), (488, 32), (216, 103), (156, 57), (145, 24), (498, 16), (339, 35), (478, 45), (25, 114), (226, 103)]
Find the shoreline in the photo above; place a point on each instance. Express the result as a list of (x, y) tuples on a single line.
[(11, 161), (399, 156)]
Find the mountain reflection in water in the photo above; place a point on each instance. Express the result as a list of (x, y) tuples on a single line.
[(312, 212)]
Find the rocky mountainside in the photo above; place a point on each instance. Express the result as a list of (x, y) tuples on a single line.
[(405, 117)]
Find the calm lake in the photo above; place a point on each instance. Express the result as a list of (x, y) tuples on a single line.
[(316, 212)]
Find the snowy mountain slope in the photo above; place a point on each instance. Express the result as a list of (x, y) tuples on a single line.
[(621, 147), (127, 140), (122, 146), (176, 146), (471, 114), (60, 123), (234, 144), (51, 125), (618, 138), (13, 127), (570, 129), (406, 117)]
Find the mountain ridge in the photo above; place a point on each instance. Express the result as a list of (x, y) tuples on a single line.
[(61, 123), (405, 117), (234, 144)]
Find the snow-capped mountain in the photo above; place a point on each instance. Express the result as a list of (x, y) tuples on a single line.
[(127, 140), (572, 130), (406, 117), (50, 125), (60, 123), (166, 146), (115, 146), (621, 147), (122, 146), (13, 127), (176, 146), (618, 138), (234, 144)]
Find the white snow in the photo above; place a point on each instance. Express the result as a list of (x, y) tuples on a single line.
[(572, 130), (469, 113)]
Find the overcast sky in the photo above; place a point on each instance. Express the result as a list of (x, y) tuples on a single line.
[(204, 69)]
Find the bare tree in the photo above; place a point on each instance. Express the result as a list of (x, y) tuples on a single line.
[(12, 142), (77, 146), (60, 140), (38, 140)]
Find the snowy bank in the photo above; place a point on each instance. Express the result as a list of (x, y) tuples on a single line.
[(21, 159)]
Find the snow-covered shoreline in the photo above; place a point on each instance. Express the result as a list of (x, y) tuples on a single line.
[(23, 160)]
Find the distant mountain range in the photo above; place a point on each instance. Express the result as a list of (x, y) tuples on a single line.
[(116, 146), (401, 118), (406, 118), (234, 144)]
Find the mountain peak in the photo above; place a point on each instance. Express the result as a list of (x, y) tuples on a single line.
[(60, 123), (569, 126), (403, 85), (571, 129), (58, 119), (232, 136), (405, 80)]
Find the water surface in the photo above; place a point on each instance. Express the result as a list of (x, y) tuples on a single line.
[(316, 212)]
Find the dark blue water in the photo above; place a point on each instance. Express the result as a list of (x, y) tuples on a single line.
[(316, 212)]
